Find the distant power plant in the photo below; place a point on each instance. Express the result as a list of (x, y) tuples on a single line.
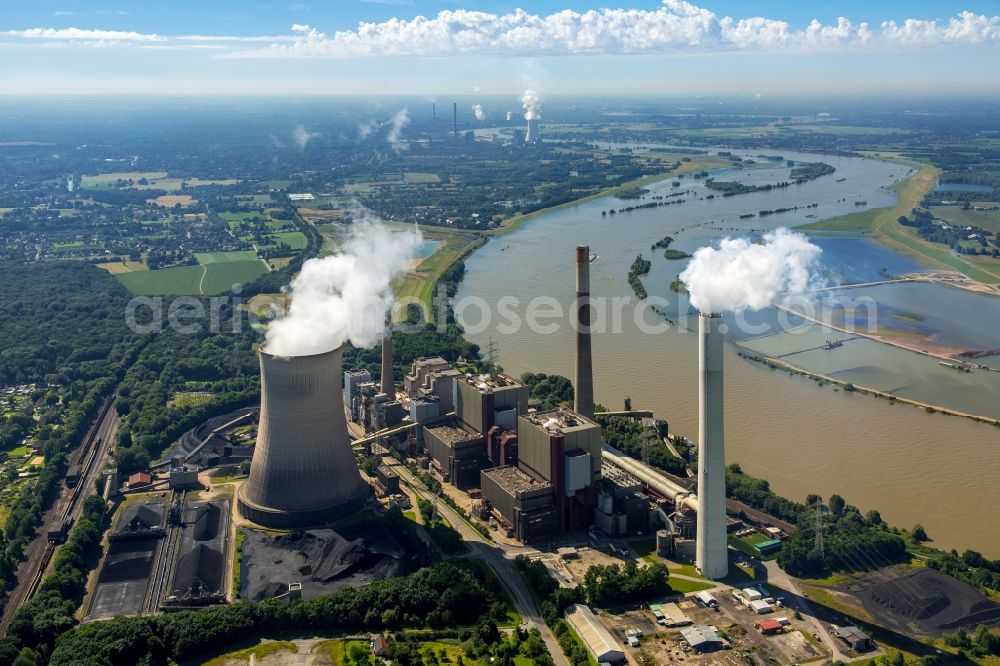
[(532, 134), (303, 470), (711, 550), (584, 380)]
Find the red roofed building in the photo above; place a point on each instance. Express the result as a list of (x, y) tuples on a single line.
[(138, 480), (769, 627)]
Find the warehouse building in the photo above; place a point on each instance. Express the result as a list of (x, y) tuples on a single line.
[(703, 638), (457, 454), (596, 637), (854, 637), (523, 506)]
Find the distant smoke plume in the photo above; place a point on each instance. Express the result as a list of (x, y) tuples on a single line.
[(302, 137), (366, 128), (509, 114), (741, 275), (532, 105), (400, 120), (478, 111), (344, 296)]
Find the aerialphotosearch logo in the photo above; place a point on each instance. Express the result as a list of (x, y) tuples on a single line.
[(542, 314)]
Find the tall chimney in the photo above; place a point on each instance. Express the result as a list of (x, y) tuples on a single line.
[(584, 379), (454, 110), (388, 385), (711, 550), (434, 110)]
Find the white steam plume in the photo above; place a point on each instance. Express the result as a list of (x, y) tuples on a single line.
[(366, 128), (740, 275), (400, 120), (532, 105), (302, 136), (477, 110), (344, 296)]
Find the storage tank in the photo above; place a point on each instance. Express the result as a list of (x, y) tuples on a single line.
[(303, 471), (664, 543)]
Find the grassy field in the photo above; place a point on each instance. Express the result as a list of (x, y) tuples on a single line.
[(987, 219), (417, 286), (191, 398), (208, 258), (414, 177), (845, 130), (174, 281), (255, 653), (109, 179), (883, 225), (215, 275), (220, 278), (294, 239), (685, 586)]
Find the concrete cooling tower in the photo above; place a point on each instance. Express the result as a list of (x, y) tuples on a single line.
[(303, 470)]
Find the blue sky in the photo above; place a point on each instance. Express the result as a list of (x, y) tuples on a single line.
[(671, 47)]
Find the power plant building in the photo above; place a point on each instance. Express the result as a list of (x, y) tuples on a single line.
[(458, 454), (433, 377), (483, 401), (352, 397), (303, 470), (523, 506), (553, 486)]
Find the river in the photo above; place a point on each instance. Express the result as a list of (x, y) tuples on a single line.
[(913, 466)]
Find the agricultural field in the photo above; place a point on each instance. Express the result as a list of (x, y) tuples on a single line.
[(215, 273), (118, 267), (112, 179), (985, 219), (295, 240), (172, 200)]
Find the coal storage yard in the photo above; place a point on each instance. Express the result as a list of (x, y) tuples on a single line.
[(124, 577), (323, 560), (199, 572), (924, 600)]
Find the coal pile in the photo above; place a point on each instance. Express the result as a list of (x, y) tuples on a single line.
[(124, 577), (200, 569), (923, 600), (323, 560)]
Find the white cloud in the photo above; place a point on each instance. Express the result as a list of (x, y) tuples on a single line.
[(395, 135), (83, 35), (676, 27)]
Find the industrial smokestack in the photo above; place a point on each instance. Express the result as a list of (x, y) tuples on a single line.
[(303, 471), (584, 379), (454, 111), (711, 551), (434, 110), (388, 385)]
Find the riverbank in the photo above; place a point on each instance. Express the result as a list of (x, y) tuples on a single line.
[(883, 225), (863, 390)]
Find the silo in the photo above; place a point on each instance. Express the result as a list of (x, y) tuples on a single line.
[(303, 470)]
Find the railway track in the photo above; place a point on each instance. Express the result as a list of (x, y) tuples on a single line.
[(166, 550), (90, 457)]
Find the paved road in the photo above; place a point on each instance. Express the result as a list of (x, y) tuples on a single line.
[(92, 458), (799, 602), (497, 557)]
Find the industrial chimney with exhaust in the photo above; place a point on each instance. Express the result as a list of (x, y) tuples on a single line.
[(303, 470), (583, 384), (388, 385), (711, 550)]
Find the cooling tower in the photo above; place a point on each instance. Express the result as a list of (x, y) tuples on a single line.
[(583, 384), (532, 134), (388, 385), (711, 552), (303, 470)]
